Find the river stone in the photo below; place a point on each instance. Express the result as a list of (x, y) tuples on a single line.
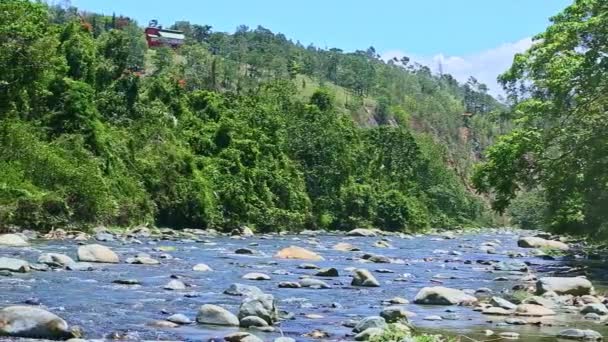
[(179, 319), (533, 310), (263, 306), (314, 283), (142, 259), (202, 268), (256, 276), (596, 308), (55, 260), (13, 240), (14, 265), (289, 285), (127, 282), (394, 314), (216, 315), (495, 310), (237, 289), (295, 252), (33, 322), (370, 322), (162, 324), (243, 251), (575, 286), (511, 266), (242, 337), (97, 253), (344, 247), (502, 303), (308, 267), (361, 232), (327, 272), (536, 242), (363, 277), (368, 334), (175, 285), (253, 321), (579, 334), (439, 295)]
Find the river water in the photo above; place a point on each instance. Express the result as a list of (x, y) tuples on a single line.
[(90, 299)]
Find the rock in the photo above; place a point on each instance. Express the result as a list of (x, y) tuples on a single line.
[(244, 251), (394, 314), (575, 286), (377, 259), (368, 334), (328, 272), (127, 282), (433, 318), (163, 324), (179, 319), (97, 253), (537, 242), (596, 308), (253, 321), (382, 244), (363, 277), (314, 283), (345, 247), (361, 232), (175, 285), (511, 266), (579, 334), (508, 335), (295, 252), (533, 310), (55, 260), (502, 303), (104, 237), (201, 268), (284, 339), (308, 267), (33, 322), (439, 295), (216, 315), (237, 289), (14, 265), (370, 322), (398, 300), (142, 259), (515, 321), (242, 231), (495, 310), (317, 334), (242, 337), (289, 285), (263, 306), (13, 240), (256, 276), (589, 299)]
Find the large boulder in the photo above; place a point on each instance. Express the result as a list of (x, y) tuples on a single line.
[(216, 315), (576, 286), (55, 260), (33, 322), (13, 240), (362, 232), (97, 253), (362, 277), (263, 306), (295, 252), (14, 265), (537, 242), (439, 295)]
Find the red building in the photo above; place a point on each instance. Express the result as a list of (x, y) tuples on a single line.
[(158, 36)]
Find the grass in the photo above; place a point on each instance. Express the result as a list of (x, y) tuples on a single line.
[(398, 332)]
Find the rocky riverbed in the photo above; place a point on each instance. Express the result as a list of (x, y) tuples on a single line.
[(199, 285)]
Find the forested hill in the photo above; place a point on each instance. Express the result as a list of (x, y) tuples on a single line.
[(235, 129)]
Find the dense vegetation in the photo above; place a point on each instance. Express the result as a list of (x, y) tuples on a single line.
[(231, 129), (556, 158)]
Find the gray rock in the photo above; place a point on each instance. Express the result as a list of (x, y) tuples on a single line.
[(502, 303), (361, 232), (33, 322), (314, 283), (533, 310), (308, 267), (511, 266), (179, 319), (142, 259), (596, 308), (13, 240), (394, 314), (579, 334), (440, 295), (256, 276), (327, 272), (56, 260), (263, 306), (363, 277), (14, 265), (216, 315), (536, 242), (495, 310), (253, 321), (127, 282), (97, 253), (242, 337), (175, 285), (289, 285), (244, 251), (575, 286), (433, 318), (237, 289), (370, 322), (202, 268)]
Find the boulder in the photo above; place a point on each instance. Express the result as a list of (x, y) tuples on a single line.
[(439, 295), (242, 337), (263, 306), (295, 252), (14, 265), (175, 285), (537, 242), (576, 286), (533, 310), (216, 315), (237, 289), (256, 276), (253, 321), (289, 285), (142, 259), (314, 283), (495, 310), (370, 322), (502, 303), (596, 308), (344, 247), (33, 322), (579, 334), (55, 260), (394, 314), (97, 253), (179, 319), (362, 232), (511, 266), (363, 277), (201, 268), (327, 272), (13, 240)]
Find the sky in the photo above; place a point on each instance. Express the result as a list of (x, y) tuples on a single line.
[(468, 37)]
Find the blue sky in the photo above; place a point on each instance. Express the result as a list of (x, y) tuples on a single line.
[(451, 31)]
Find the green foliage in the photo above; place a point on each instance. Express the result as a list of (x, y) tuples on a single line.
[(529, 210)]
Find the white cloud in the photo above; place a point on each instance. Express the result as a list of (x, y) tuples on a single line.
[(485, 65)]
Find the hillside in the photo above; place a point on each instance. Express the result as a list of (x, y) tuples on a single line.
[(235, 129)]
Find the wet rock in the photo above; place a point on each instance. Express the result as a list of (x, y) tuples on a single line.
[(142, 259), (289, 285), (370, 322), (97, 253), (368, 334), (314, 283), (576, 286), (295, 252), (533, 310), (13, 240), (179, 319), (394, 314), (596, 308), (345, 247), (237, 289), (328, 272), (440, 295), (377, 259), (308, 267), (363, 277), (256, 276), (242, 337), (263, 306), (502, 303), (127, 282), (537, 242), (511, 266), (163, 324), (14, 265), (253, 321), (216, 315), (361, 232), (202, 268), (579, 334), (382, 244), (55, 260), (244, 251), (175, 285), (33, 322), (398, 300)]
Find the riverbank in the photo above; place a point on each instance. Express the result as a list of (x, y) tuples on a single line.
[(171, 285)]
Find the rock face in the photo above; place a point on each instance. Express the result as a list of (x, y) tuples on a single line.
[(97, 253), (13, 240), (55, 260), (263, 306), (295, 252), (440, 295), (575, 286), (14, 265), (363, 277), (533, 310), (578, 334), (216, 315), (361, 232), (32, 322), (536, 242)]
